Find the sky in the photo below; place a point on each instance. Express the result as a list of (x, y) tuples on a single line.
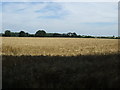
[(84, 18)]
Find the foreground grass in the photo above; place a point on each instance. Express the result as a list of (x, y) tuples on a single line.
[(87, 71)]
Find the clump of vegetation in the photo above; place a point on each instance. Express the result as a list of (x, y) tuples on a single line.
[(42, 33)]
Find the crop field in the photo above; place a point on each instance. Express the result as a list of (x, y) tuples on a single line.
[(60, 63), (57, 46)]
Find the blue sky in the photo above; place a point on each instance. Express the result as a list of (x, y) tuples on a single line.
[(85, 18)]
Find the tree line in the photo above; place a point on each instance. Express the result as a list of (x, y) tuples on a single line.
[(42, 33)]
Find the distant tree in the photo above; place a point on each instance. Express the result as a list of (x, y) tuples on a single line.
[(79, 36), (87, 36), (69, 34), (31, 35), (7, 33), (49, 34), (27, 34), (22, 34), (74, 34), (118, 37), (64, 35), (56, 35), (113, 37), (40, 33), (14, 34)]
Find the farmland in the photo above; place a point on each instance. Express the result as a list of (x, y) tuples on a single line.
[(57, 46), (60, 63)]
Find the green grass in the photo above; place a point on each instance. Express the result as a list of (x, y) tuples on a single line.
[(87, 71)]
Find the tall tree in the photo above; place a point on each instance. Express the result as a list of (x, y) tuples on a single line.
[(22, 34), (74, 34), (40, 33), (7, 33)]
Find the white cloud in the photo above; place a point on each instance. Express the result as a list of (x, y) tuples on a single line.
[(76, 17), (60, 0)]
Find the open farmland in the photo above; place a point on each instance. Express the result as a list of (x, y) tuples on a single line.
[(57, 46), (60, 63)]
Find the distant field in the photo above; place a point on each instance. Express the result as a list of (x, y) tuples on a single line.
[(57, 46)]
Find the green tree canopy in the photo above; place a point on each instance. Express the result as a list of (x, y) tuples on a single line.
[(40, 33), (74, 34), (22, 34), (7, 33)]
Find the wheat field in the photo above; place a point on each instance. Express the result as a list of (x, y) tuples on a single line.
[(29, 62), (18, 46)]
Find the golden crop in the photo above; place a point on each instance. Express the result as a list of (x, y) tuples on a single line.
[(57, 46)]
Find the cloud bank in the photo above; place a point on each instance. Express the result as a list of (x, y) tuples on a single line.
[(88, 18), (59, 0)]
